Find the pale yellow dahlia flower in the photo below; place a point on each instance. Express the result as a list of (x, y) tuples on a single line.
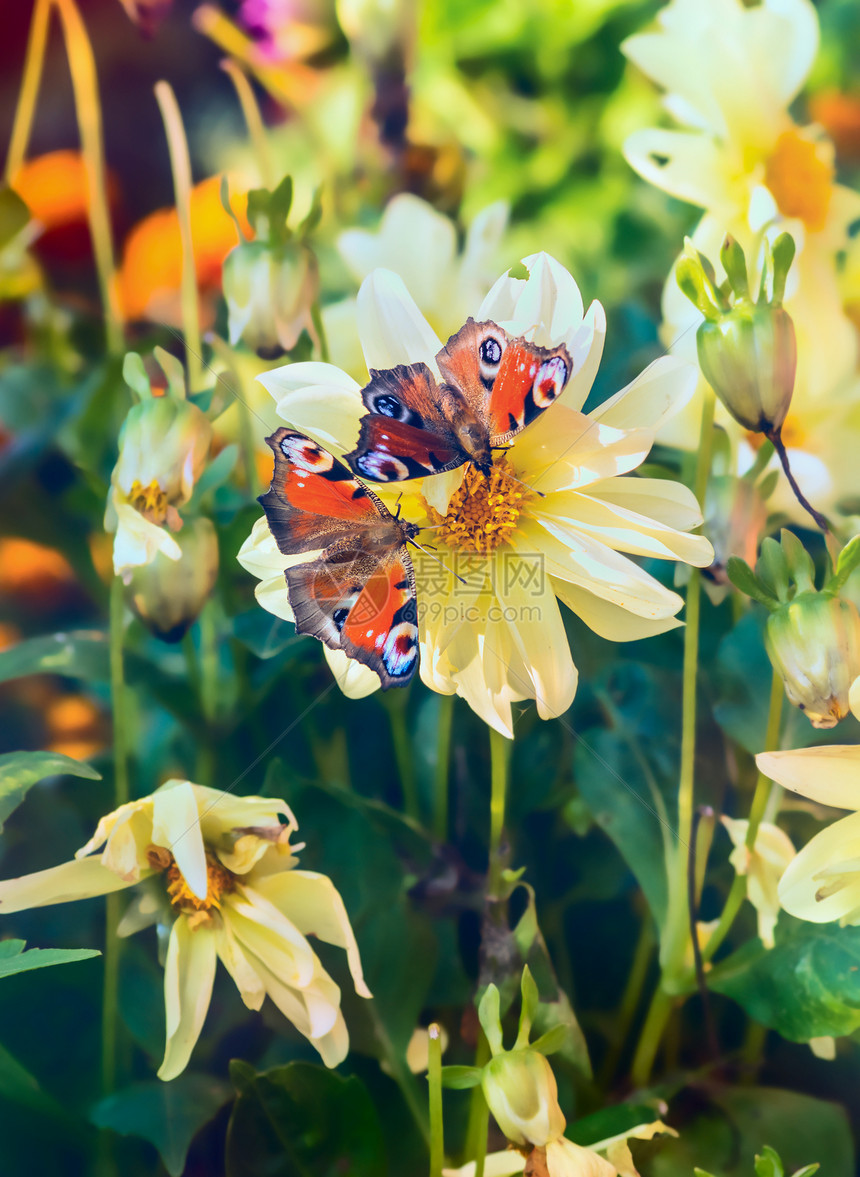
[(763, 867), (499, 638), (163, 446), (730, 72), (417, 242), (219, 870), (823, 882)]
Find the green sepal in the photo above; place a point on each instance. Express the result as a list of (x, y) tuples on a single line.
[(134, 374), (743, 578), (735, 265), (781, 256), (553, 1040), (772, 569), (488, 1016), (800, 564), (848, 560), (768, 1164), (528, 1009), (461, 1078)]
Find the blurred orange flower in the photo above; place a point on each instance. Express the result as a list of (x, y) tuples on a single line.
[(75, 727), (41, 574), (839, 114), (151, 271), (54, 188)]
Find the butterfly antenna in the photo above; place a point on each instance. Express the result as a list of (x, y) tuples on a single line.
[(438, 560)]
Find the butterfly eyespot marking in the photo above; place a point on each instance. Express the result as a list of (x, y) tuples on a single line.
[(400, 649), (550, 380), (490, 352), (382, 466), (339, 617), (390, 406), (306, 455)]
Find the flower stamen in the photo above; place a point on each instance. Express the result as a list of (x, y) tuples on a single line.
[(219, 881), (483, 512), (800, 181), (149, 501)]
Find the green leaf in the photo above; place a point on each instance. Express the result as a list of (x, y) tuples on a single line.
[(848, 560), (18, 1086), (806, 986), (14, 214), (80, 654), (168, 1115), (743, 578), (461, 1078), (768, 1164), (13, 958), (19, 771), (302, 1120)]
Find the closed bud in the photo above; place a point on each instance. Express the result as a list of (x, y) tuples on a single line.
[(270, 291), (814, 644), (521, 1092), (747, 347), (167, 595)]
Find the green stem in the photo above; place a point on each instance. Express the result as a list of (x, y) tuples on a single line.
[(82, 66), (649, 1039), (180, 166), (403, 755), (253, 120), (738, 890), (110, 998), (437, 1130), (676, 933), (319, 327), (479, 1114), (499, 760), (29, 92), (443, 757)]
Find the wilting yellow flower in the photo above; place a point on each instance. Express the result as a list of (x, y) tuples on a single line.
[(419, 244), (730, 72), (499, 637), (220, 871), (163, 445), (823, 882), (563, 1158), (763, 867)]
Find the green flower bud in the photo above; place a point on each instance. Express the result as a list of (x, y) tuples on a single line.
[(521, 1092), (270, 291), (813, 642), (747, 348), (163, 446), (167, 595)]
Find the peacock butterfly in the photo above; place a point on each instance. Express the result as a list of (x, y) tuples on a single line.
[(492, 387), (358, 595)]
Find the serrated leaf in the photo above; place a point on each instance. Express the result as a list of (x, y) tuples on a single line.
[(19, 771), (303, 1119), (168, 1115), (743, 578), (459, 1078), (13, 958), (806, 986)]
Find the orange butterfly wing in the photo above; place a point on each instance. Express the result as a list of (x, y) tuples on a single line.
[(359, 594)]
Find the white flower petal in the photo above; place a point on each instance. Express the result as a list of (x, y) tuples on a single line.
[(627, 530), (564, 450), (138, 541), (392, 329), (189, 973), (319, 400), (356, 680), (546, 307), (262, 929), (238, 965), (818, 864), (316, 908), (686, 164), (607, 620), (82, 878), (586, 351), (496, 1164), (829, 774), (656, 394), (176, 825)]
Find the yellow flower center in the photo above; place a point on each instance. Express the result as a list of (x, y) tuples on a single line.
[(799, 180), (483, 513), (219, 881), (150, 501)]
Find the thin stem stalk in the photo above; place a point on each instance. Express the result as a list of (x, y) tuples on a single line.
[(479, 1114), (110, 997), (499, 761), (443, 759), (403, 756), (775, 438), (29, 92), (649, 1039), (253, 119), (180, 166), (437, 1130)]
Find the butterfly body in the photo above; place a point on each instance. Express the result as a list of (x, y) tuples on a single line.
[(358, 593), (492, 387)]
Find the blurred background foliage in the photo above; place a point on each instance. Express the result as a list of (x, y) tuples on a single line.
[(525, 103)]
